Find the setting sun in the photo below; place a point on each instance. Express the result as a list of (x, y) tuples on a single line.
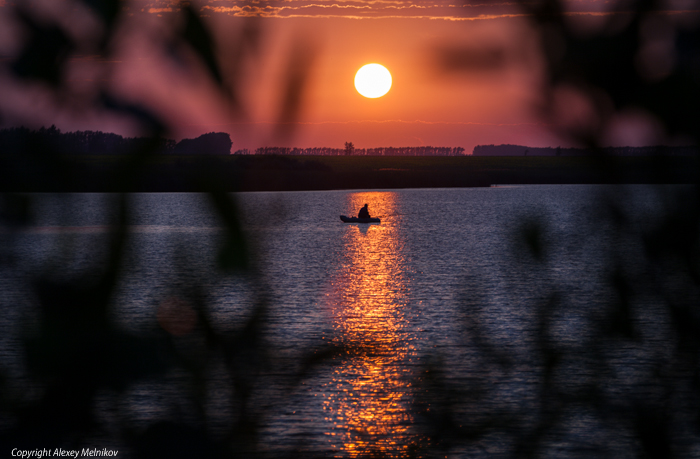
[(373, 80)]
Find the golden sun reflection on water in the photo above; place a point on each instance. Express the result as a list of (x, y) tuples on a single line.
[(368, 402)]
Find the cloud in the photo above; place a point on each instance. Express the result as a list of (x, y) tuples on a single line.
[(452, 10), (456, 10), (160, 10), (429, 9)]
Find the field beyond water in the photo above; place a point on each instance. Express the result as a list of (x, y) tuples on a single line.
[(296, 173)]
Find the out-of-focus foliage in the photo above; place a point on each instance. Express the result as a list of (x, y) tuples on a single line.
[(643, 400), (639, 60), (76, 357)]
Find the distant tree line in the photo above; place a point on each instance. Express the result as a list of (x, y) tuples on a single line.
[(350, 150), (323, 151), (519, 150), (20, 139)]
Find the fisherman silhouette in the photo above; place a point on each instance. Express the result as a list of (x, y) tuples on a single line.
[(364, 212)]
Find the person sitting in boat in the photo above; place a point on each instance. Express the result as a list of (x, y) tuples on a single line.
[(364, 212)]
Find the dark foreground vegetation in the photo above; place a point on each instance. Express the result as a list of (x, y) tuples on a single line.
[(190, 173), (73, 355), (521, 150)]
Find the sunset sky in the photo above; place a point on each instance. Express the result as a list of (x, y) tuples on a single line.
[(329, 40)]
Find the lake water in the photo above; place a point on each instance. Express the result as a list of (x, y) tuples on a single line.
[(470, 322)]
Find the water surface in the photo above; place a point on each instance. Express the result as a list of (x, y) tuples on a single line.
[(439, 307)]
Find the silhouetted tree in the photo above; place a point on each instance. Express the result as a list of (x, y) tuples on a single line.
[(349, 148), (213, 143)]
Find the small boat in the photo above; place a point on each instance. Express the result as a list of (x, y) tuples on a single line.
[(359, 220)]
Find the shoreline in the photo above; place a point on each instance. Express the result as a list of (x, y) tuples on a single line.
[(321, 173)]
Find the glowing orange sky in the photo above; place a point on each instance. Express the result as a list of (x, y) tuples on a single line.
[(425, 106)]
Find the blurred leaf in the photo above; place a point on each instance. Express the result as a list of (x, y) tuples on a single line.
[(45, 53), (610, 61), (621, 319), (233, 254), (149, 122), (197, 35), (456, 59), (652, 425), (107, 10), (298, 68), (530, 238), (171, 440), (16, 209), (246, 46)]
